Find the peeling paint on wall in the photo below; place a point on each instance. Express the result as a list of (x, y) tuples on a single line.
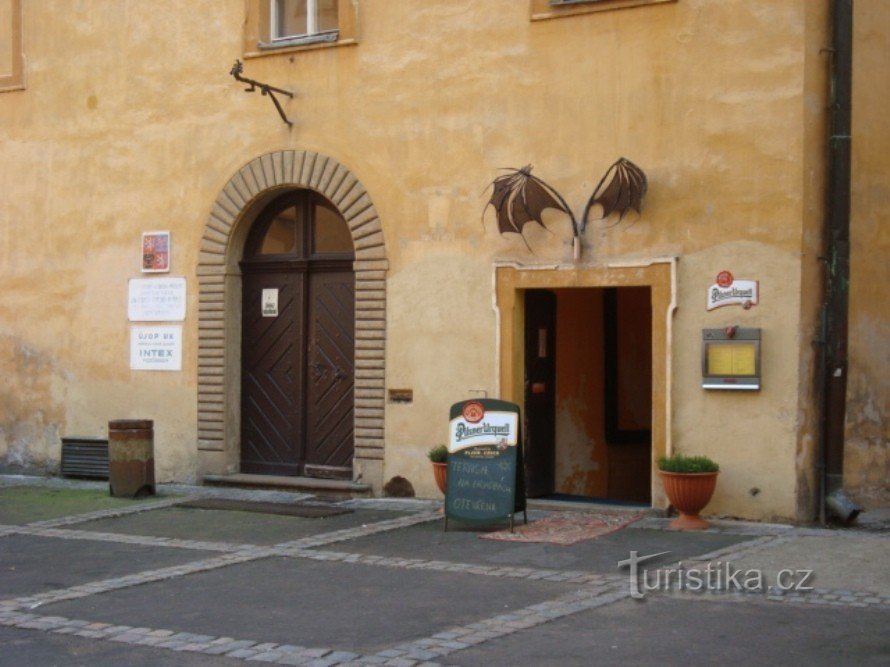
[(31, 405), (867, 447)]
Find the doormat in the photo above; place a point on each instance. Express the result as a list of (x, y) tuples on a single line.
[(285, 509), (639, 504), (566, 527)]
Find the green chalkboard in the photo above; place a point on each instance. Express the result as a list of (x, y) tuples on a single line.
[(485, 480)]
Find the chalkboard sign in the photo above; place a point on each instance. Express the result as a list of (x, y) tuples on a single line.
[(485, 480)]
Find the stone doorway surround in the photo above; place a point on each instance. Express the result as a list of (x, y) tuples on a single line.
[(219, 313), (659, 274)]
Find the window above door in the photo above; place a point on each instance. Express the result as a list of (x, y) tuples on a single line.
[(299, 225)]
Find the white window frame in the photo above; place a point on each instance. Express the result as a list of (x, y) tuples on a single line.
[(13, 77), (312, 33)]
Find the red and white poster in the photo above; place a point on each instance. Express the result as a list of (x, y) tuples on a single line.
[(156, 252)]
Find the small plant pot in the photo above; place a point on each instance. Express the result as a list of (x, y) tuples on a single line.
[(440, 473), (689, 493)]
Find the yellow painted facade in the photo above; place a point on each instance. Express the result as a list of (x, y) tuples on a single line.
[(119, 117)]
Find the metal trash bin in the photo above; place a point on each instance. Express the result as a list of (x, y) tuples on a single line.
[(131, 458)]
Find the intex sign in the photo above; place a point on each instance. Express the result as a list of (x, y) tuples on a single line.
[(727, 291)]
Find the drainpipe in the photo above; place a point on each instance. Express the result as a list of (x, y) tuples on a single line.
[(833, 358)]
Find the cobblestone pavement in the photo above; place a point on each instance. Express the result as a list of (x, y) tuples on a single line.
[(573, 592)]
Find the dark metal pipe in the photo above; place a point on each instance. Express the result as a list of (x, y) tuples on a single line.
[(833, 366)]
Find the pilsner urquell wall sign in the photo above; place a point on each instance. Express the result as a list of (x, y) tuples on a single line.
[(485, 471)]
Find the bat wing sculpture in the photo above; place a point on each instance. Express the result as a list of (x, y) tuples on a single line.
[(519, 198), (621, 188)]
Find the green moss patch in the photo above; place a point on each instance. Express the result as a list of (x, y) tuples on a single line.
[(25, 504)]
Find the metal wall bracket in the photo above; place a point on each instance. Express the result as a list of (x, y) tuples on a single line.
[(265, 89)]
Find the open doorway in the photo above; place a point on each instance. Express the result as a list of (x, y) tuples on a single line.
[(588, 393)]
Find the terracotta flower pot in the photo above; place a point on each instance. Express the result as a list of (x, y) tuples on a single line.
[(440, 472), (689, 493)]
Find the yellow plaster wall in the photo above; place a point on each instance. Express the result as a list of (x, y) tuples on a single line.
[(119, 131), (439, 355), (130, 122), (867, 451), (752, 435), (815, 72)]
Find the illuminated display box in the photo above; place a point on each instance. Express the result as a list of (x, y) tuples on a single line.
[(731, 359)]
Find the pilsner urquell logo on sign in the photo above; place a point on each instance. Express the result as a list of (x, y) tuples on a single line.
[(476, 426), (727, 291)]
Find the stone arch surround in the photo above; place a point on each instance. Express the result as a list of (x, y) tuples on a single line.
[(219, 317)]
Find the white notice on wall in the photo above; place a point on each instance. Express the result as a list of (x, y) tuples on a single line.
[(270, 302), (156, 348), (156, 300)]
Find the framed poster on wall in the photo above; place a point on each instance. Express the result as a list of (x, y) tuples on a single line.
[(157, 252)]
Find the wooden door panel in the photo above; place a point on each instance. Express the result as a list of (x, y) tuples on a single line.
[(540, 392), (272, 359), (298, 367), (330, 374)]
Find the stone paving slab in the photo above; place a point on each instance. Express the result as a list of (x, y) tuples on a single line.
[(429, 541), (25, 647), (394, 589), (30, 564), (865, 560), (345, 606), (22, 504), (232, 526), (665, 631)]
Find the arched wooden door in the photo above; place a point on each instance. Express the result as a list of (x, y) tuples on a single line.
[(298, 340)]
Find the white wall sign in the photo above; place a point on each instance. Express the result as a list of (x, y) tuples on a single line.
[(156, 348), (270, 302), (728, 291), (156, 300), (495, 428)]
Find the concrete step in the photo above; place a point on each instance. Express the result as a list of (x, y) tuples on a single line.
[(315, 485)]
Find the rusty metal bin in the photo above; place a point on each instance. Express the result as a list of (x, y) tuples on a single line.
[(131, 458)]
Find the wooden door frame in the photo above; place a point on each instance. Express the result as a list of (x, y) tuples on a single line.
[(240, 200), (539, 369), (660, 275)]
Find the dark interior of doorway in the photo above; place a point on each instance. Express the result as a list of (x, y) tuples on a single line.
[(588, 394)]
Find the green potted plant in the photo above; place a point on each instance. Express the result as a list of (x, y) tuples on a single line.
[(438, 455), (689, 483)]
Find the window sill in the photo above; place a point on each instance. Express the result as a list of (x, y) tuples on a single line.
[(542, 10), (266, 49), (301, 40)]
